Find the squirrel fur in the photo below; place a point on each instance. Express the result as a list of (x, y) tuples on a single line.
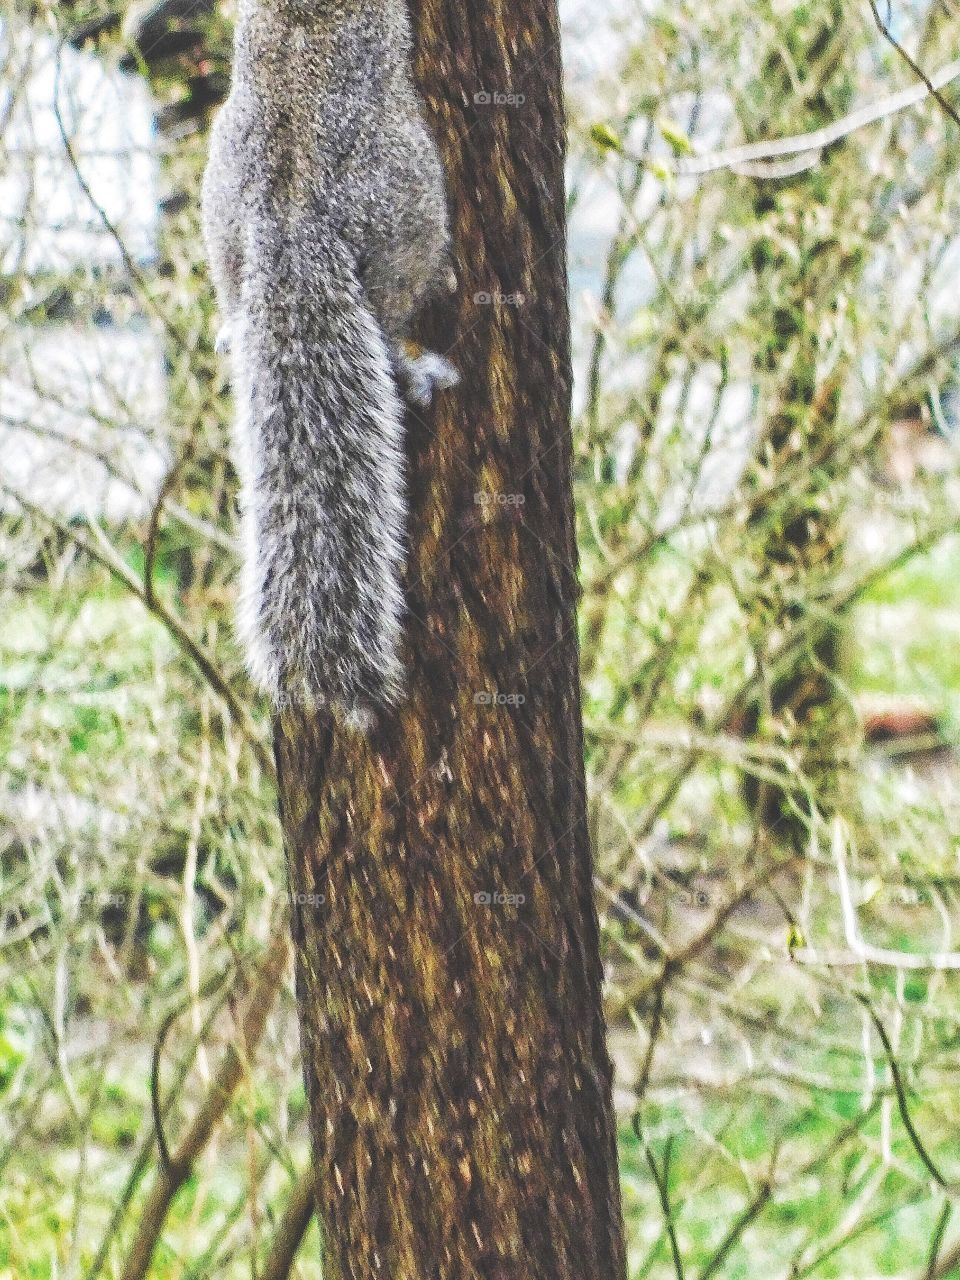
[(325, 218)]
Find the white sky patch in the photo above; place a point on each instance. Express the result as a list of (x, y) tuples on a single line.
[(108, 117), (81, 404), (78, 410)]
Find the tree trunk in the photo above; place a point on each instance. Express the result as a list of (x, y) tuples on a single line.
[(802, 276), (448, 967)]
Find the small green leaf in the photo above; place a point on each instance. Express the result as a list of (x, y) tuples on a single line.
[(605, 138), (672, 132)]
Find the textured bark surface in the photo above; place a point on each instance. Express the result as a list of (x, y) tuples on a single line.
[(453, 1042)]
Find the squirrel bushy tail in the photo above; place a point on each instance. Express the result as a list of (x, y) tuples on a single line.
[(325, 219), (320, 437)]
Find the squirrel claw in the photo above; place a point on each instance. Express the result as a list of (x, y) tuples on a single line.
[(426, 374)]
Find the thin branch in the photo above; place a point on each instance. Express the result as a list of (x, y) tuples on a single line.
[(750, 1213), (107, 557), (656, 1026), (952, 1188), (936, 1243), (677, 961), (946, 1267), (808, 147), (134, 271), (145, 1153), (160, 1108), (864, 952), (932, 88), (661, 1179), (293, 1227), (171, 1179)]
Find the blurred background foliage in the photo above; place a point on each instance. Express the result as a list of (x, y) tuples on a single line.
[(767, 474)]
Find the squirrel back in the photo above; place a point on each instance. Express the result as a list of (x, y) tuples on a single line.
[(325, 219)]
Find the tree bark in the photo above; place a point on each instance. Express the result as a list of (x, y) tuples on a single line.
[(448, 966)]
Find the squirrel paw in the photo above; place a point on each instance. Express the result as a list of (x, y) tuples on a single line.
[(426, 374), (222, 344)]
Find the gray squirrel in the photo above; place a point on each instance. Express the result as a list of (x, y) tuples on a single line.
[(325, 218)]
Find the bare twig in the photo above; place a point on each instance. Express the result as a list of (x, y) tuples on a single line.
[(750, 1213), (292, 1229), (805, 149), (861, 950), (936, 1242), (946, 1184), (159, 1108), (106, 556), (675, 962), (145, 1153), (930, 83), (661, 1179), (171, 1179)]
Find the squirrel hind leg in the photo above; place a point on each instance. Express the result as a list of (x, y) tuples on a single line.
[(425, 374)]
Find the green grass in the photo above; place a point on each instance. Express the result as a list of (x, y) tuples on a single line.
[(88, 688)]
